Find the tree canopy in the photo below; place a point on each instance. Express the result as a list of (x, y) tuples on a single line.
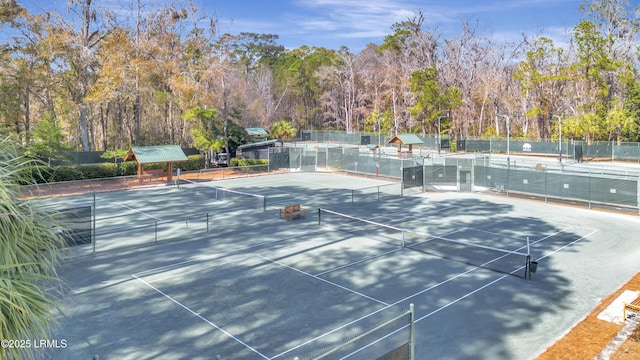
[(103, 82)]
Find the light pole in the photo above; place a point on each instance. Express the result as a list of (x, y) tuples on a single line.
[(438, 138), (508, 135), (559, 137), (378, 132)]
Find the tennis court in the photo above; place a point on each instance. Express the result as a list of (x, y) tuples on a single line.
[(206, 270)]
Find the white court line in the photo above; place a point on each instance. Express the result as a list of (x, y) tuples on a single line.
[(377, 311), (321, 184), (461, 298), (386, 306), (199, 269), (569, 244), (209, 257), (201, 318), (495, 281), (136, 210), (357, 262), (367, 259), (323, 280), (238, 260), (420, 293), (411, 216)]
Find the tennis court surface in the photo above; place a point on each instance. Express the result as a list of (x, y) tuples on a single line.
[(210, 270)]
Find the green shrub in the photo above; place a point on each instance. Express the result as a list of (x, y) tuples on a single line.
[(247, 162), (194, 162), (41, 174), (65, 173), (129, 168), (238, 162), (98, 171), (105, 170)]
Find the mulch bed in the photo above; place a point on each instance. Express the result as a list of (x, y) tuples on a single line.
[(589, 337)]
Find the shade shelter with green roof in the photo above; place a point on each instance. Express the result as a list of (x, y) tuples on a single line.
[(257, 132), (161, 154), (406, 139), (256, 150)]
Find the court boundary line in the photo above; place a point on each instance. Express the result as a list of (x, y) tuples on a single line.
[(202, 318), (238, 260), (226, 253), (323, 280), (504, 276), (266, 261), (569, 244), (365, 259), (379, 310), (357, 262), (136, 210), (407, 298), (411, 216), (385, 305)]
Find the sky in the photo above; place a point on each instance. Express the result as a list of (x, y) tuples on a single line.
[(355, 23)]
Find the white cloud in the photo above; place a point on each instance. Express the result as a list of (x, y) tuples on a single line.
[(357, 18)]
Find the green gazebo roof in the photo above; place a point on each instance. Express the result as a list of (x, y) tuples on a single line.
[(259, 143), (156, 154), (406, 139), (256, 131)]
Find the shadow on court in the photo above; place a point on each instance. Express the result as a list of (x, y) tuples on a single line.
[(254, 286)]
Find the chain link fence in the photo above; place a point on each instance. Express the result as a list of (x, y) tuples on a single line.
[(592, 187)]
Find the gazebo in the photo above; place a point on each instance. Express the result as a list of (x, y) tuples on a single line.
[(156, 155), (406, 139), (257, 133)]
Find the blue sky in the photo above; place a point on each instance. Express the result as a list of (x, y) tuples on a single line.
[(354, 23)]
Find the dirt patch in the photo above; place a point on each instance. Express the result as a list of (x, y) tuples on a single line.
[(68, 188), (589, 337)]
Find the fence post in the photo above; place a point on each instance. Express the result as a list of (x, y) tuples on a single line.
[(412, 333), (590, 175), (508, 175), (638, 192), (546, 185), (401, 177), (93, 230)]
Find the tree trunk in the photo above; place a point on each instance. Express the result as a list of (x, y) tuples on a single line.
[(104, 126), (27, 116), (84, 130)]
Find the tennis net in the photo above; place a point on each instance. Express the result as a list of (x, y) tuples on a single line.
[(242, 199), (512, 262), (360, 227), (501, 260)]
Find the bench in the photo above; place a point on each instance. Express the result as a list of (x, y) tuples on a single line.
[(150, 176), (291, 212), (631, 307), (155, 172)]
